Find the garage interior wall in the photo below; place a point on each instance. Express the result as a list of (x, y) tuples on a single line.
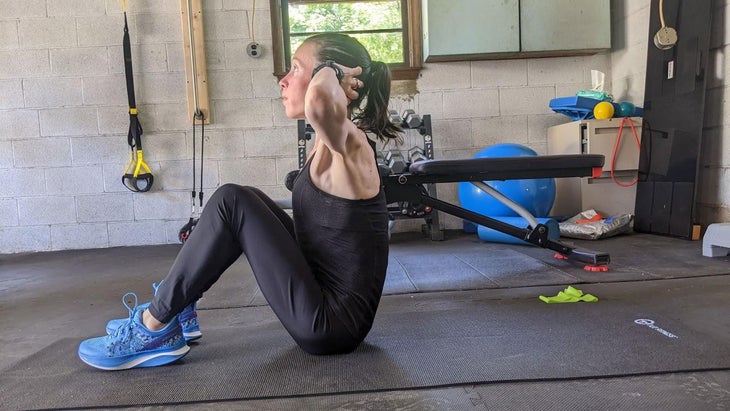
[(63, 110)]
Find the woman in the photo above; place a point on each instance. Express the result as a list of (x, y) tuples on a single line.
[(321, 273)]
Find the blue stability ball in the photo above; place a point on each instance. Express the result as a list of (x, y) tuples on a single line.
[(535, 195)]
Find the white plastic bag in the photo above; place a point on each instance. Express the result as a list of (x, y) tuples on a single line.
[(589, 225)]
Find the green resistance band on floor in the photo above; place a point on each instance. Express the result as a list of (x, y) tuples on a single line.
[(570, 295)]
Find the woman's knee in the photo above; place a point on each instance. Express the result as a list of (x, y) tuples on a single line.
[(230, 191)]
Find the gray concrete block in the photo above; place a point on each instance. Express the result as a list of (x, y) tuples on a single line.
[(51, 32), (160, 88), (105, 207), (9, 35), (498, 73), (471, 103), (105, 91), (159, 6), (232, 84), (156, 205), (74, 180), (24, 9), (101, 150), (164, 146), (6, 154), (114, 120), (526, 100), (265, 85), (147, 58), (156, 28), (8, 212), (79, 236), (52, 92), (23, 182), (243, 113), (445, 76), (249, 171), (560, 70), (80, 121), (99, 30), (24, 64), (25, 239), (87, 61), (12, 92), (77, 8), (19, 124), (502, 129), (46, 210), (137, 233), (172, 117), (280, 141), (226, 25), (45, 152), (178, 175), (219, 144)]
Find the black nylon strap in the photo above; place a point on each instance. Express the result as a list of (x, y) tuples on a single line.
[(331, 64)]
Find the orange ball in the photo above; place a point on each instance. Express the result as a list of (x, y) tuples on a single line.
[(603, 110)]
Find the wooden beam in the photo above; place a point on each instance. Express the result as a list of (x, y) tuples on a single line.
[(201, 73)]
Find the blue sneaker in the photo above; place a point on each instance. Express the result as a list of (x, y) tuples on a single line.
[(132, 345), (188, 319)]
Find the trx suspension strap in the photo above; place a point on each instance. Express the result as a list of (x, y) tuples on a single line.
[(187, 229), (138, 176), (193, 221)]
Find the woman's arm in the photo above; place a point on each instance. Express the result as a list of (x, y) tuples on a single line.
[(326, 105)]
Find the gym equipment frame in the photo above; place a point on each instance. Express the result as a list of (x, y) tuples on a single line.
[(409, 186)]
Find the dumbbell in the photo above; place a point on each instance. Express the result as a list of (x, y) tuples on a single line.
[(383, 169), (395, 117), (416, 154), (395, 161), (412, 119)]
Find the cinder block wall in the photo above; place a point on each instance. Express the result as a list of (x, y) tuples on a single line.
[(63, 107)]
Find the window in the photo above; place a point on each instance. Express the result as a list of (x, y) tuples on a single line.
[(389, 29)]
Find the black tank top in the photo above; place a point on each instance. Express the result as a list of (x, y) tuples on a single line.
[(346, 244)]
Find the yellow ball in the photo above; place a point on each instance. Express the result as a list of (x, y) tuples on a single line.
[(603, 110)]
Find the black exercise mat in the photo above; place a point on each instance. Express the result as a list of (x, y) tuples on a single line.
[(421, 341)]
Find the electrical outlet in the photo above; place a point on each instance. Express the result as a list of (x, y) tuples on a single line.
[(254, 50)]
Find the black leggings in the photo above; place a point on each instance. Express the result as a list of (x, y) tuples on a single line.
[(244, 220)]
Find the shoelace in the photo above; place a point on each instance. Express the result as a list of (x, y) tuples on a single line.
[(123, 333)]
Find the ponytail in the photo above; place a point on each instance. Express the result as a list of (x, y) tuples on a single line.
[(375, 76), (374, 117)]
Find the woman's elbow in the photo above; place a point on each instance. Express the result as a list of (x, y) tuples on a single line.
[(321, 106)]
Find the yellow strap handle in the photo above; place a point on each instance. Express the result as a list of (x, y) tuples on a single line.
[(124, 6), (137, 163), (141, 164)]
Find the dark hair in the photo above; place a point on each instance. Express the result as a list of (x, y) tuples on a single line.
[(349, 52)]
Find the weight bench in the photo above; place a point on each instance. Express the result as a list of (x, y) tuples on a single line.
[(410, 186)]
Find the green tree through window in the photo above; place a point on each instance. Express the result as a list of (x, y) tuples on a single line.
[(377, 24), (390, 29)]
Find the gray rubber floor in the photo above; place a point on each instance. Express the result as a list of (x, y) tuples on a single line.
[(574, 356)]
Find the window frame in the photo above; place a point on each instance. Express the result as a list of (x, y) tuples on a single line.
[(408, 70)]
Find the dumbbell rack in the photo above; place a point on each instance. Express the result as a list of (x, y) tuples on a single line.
[(404, 210), (432, 228)]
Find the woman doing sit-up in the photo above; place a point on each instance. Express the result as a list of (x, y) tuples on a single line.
[(322, 273)]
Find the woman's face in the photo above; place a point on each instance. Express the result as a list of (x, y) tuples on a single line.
[(294, 84)]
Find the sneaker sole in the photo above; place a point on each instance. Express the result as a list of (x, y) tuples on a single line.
[(192, 335), (148, 360)]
